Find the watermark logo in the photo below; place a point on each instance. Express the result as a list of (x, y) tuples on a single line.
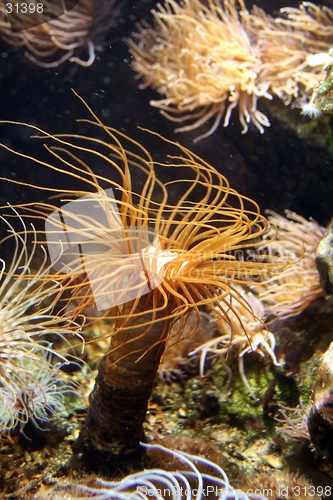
[(87, 237), (25, 14)]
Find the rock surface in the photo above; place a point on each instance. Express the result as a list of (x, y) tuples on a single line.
[(324, 260)]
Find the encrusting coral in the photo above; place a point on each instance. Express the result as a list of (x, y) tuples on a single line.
[(148, 261), (207, 59), (51, 34), (32, 385)]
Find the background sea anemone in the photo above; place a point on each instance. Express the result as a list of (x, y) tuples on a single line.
[(35, 391), (31, 381), (51, 34), (208, 58), (296, 241), (176, 362)]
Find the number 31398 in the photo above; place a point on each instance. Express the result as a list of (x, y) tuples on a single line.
[(24, 8)]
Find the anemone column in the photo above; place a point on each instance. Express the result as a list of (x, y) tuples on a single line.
[(118, 403)]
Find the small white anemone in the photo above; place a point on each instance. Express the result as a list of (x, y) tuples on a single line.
[(310, 109), (36, 392)]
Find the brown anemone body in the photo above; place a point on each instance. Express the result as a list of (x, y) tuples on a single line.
[(123, 386)]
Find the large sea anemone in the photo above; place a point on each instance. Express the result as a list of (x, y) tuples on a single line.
[(146, 257)]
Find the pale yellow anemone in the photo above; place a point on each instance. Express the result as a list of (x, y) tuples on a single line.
[(206, 59), (296, 241)]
